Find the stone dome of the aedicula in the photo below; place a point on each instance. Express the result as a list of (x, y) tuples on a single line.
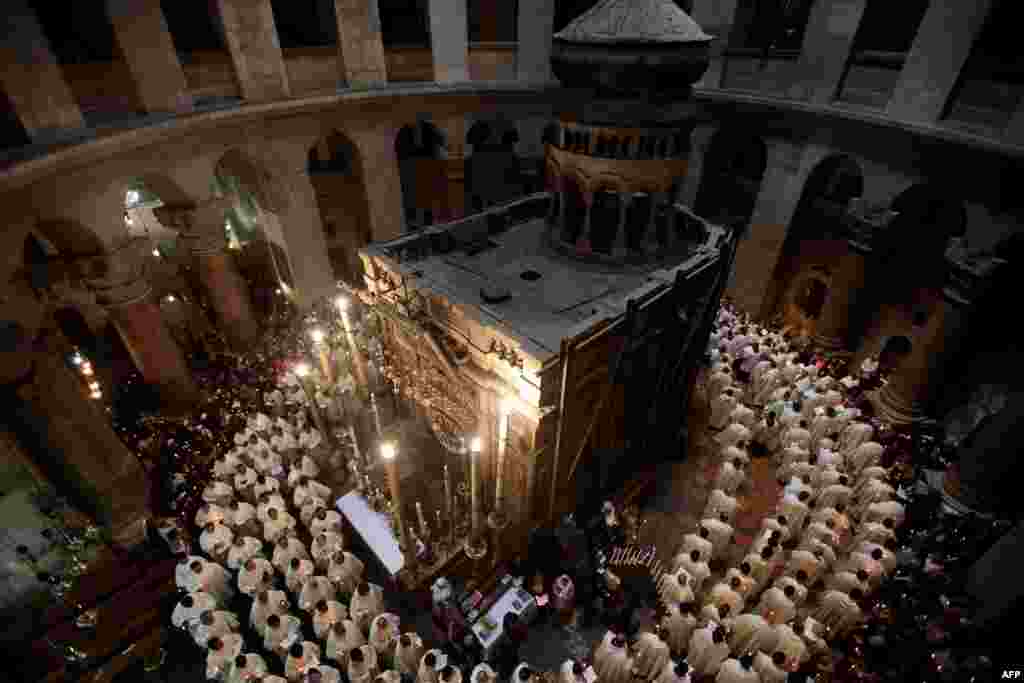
[(631, 47)]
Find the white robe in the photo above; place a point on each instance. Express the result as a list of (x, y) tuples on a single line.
[(277, 603), (770, 436), (216, 542), (693, 542), (719, 533), (365, 608), (251, 582), (273, 529), (183, 616), (733, 434), (751, 633), (407, 659), (746, 586), (731, 671), (324, 621), (239, 555), (830, 496), (744, 415), (674, 590), (283, 556), (729, 478), (337, 647), (347, 573), (717, 383), (483, 673), (213, 579), (890, 509), (704, 655), (295, 667), (324, 546), (854, 435), (331, 522), (719, 503), (255, 666), (314, 590), (651, 655), (838, 612), (721, 408), (775, 607), (721, 594), (678, 627), (767, 671), (790, 644), (383, 635), (798, 436), (698, 572), (212, 513), (218, 663), (223, 623), (295, 578), (616, 666), (428, 674), (868, 454), (278, 640), (329, 674)]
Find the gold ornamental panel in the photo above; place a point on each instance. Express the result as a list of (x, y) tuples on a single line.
[(618, 175)]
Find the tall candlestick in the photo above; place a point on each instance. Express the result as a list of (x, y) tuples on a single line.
[(424, 527), (358, 360), (474, 485), (322, 351), (504, 422), (387, 453), (376, 414)]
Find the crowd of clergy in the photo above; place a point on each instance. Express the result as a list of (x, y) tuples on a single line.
[(828, 544)]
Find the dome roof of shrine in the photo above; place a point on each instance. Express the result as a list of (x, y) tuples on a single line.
[(648, 49), (633, 21)]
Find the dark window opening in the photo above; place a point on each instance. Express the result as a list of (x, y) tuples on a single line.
[(79, 32), (194, 27), (887, 30), (771, 25), (404, 23), (303, 24), (492, 20)]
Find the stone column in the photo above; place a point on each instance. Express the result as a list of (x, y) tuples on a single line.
[(904, 398), (453, 202), (361, 59), (118, 280), (255, 49), (449, 40), (758, 253), (826, 49), (700, 143), (848, 282), (533, 54), (944, 40), (620, 248), (304, 236), (716, 17), (73, 442), (383, 182), (201, 230), (583, 241), (31, 76), (142, 34)]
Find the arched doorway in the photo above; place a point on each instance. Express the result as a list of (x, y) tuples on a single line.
[(811, 297), (419, 148), (734, 166), (815, 237), (335, 170), (493, 169)]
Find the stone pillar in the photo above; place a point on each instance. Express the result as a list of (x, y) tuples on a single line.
[(201, 230), (304, 235), (142, 34), (453, 202), (583, 241), (828, 42), (700, 143), (716, 17), (383, 182), (118, 281), (255, 49), (620, 247), (848, 282), (533, 54), (903, 399), (361, 57), (449, 40), (31, 76), (758, 253), (943, 42), (74, 444)]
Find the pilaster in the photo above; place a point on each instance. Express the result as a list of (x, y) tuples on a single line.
[(828, 41), (449, 40), (31, 76), (940, 50), (716, 17), (788, 166), (382, 180), (255, 49), (360, 46), (533, 54), (145, 41)]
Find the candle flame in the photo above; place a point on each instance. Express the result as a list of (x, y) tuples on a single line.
[(317, 334), (387, 450), (342, 303), (476, 444), (301, 369)]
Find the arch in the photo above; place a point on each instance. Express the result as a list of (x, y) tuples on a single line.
[(334, 153), (254, 178), (830, 186), (734, 166), (810, 298), (894, 349)]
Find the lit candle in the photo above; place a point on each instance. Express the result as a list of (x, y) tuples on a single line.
[(476, 445), (325, 360), (376, 415), (424, 527), (358, 362), (387, 454), (504, 420)]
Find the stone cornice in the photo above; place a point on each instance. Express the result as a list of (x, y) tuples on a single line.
[(369, 107)]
